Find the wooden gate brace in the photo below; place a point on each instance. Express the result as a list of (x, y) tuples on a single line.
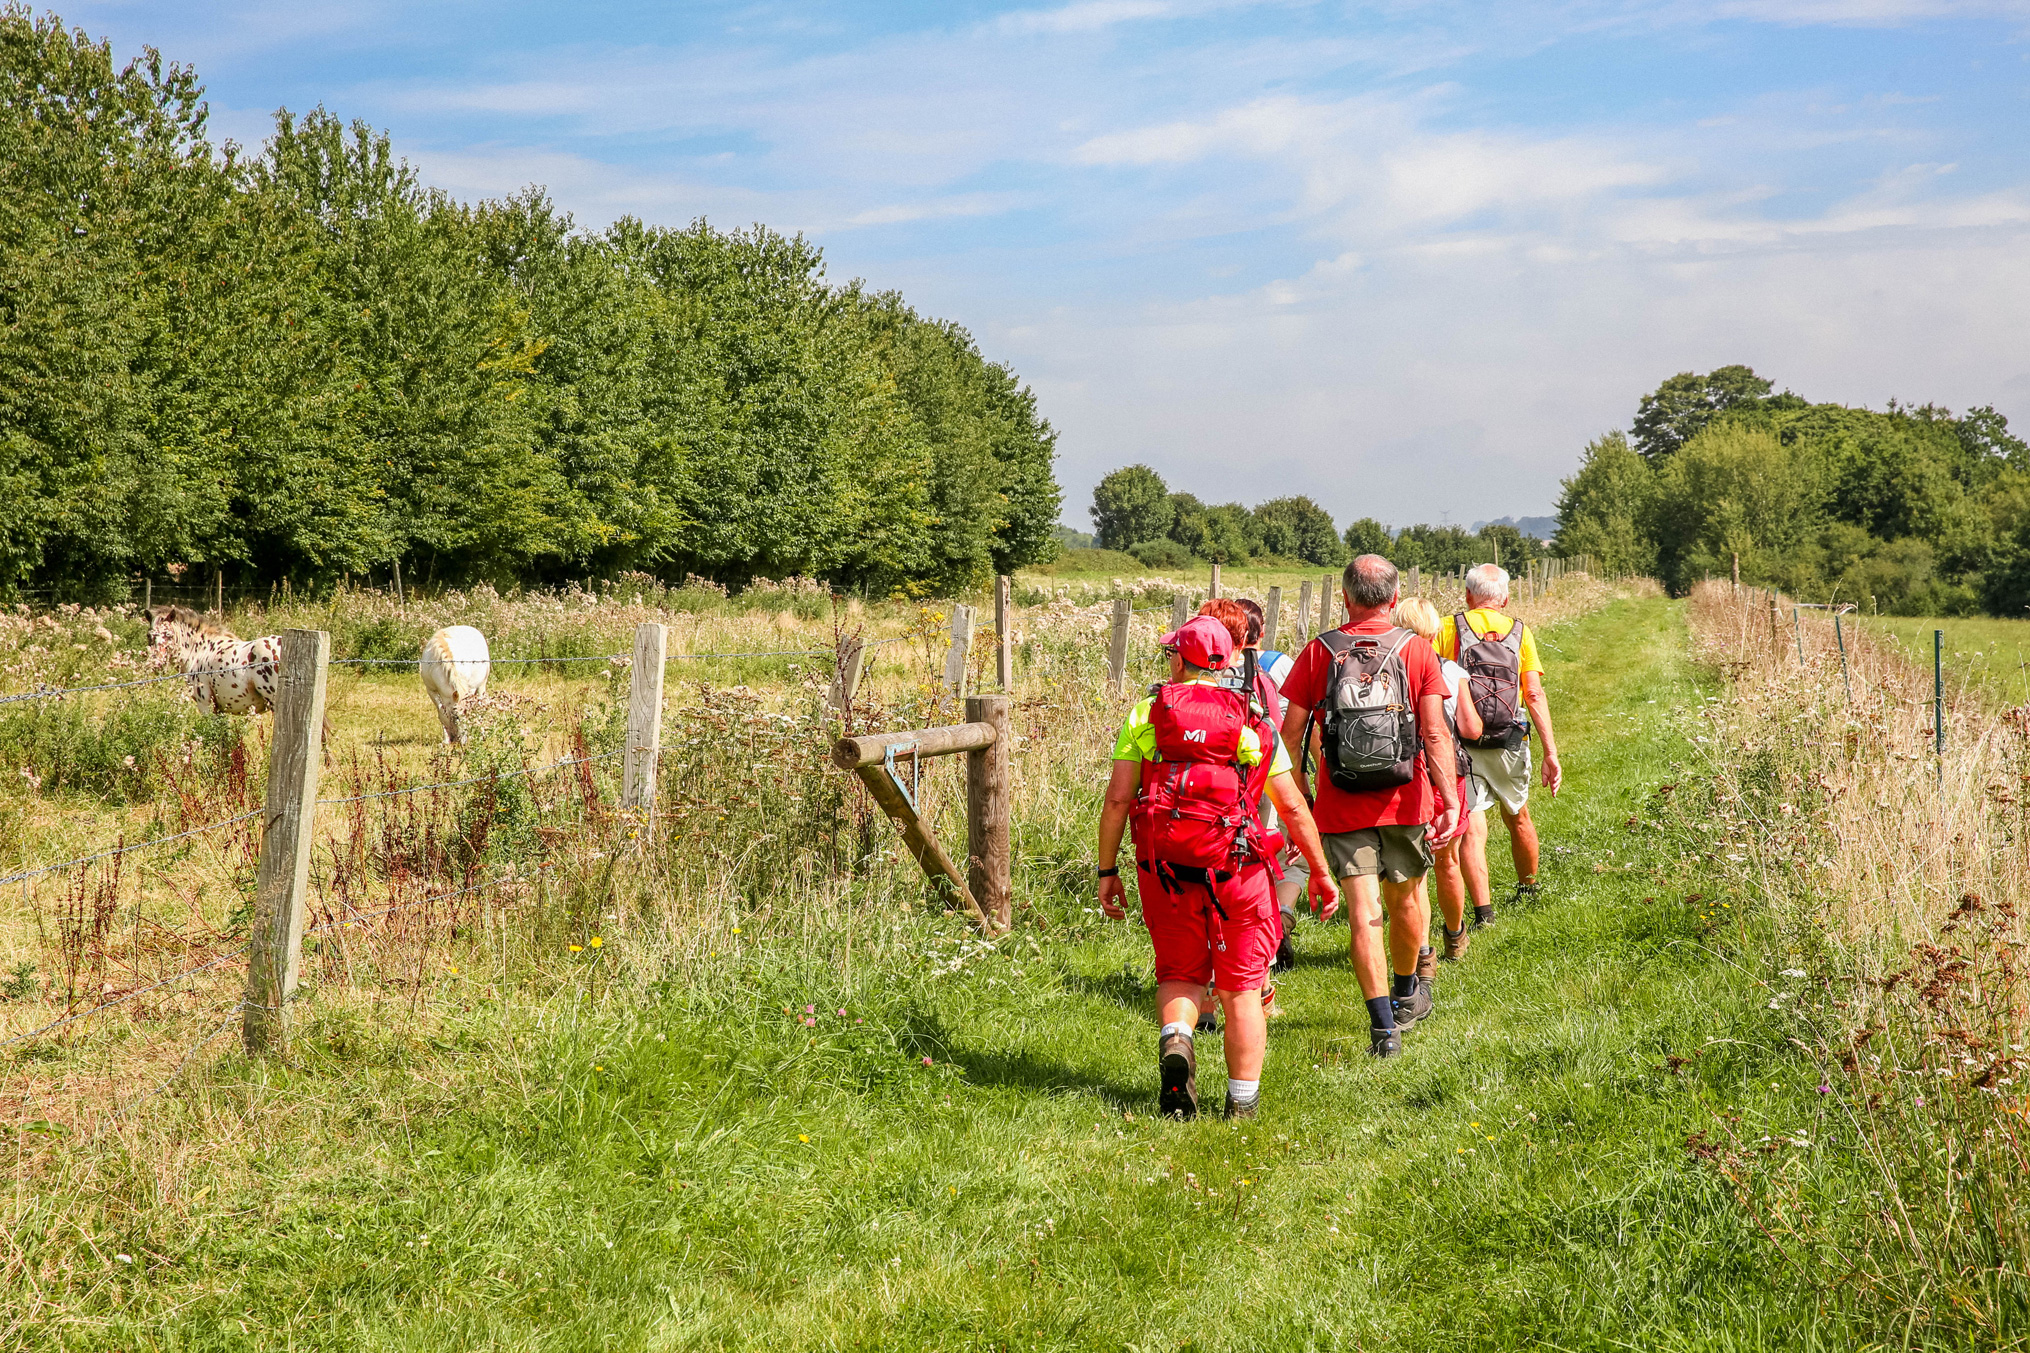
[(890, 765)]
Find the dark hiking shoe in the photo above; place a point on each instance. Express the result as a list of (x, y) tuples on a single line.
[(1208, 1022), (1457, 944), (1482, 921), (1413, 1007), (1427, 962), (1177, 1066), (1286, 954), (1384, 1042), (1246, 1110), (1527, 892)]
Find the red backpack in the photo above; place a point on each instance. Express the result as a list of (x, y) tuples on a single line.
[(1199, 806)]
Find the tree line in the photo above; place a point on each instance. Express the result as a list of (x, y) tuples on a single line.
[(304, 363), (1913, 510), (1134, 511)]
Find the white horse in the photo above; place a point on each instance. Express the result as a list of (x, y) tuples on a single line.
[(227, 674), (455, 665)]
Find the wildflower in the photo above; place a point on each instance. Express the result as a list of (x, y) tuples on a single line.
[(842, 1012), (577, 948), (126, 760), (596, 941), (599, 1068), (736, 930), (124, 1258), (926, 1061), (808, 1021), (1825, 1089), (803, 1136), (1920, 1101), (810, 1010)]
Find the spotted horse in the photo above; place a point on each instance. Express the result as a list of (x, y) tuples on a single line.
[(227, 674)]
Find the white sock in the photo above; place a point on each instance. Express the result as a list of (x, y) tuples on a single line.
[(1243, 1092), (1176, 1028)]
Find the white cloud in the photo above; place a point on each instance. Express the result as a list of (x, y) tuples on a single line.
[(1086, 17)]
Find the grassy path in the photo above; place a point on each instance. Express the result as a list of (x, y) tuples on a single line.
[(715, 1174)]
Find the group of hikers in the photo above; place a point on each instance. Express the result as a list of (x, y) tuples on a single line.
[(1367, 762)]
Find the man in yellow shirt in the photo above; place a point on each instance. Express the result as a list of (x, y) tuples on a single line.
[(1501, 760)]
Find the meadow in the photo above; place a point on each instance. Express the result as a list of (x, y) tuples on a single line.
[(730, 1082)]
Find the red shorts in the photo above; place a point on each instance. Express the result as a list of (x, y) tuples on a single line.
[(1196, 943)]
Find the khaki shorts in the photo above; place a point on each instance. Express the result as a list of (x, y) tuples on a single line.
[(1395, 853), (1499, 775)]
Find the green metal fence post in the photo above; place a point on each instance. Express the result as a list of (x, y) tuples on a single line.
[(1841, 639)]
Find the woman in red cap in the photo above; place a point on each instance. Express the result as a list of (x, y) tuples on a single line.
[(1190, 766)]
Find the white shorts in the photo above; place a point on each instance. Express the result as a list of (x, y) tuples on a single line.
[(1499, 775)]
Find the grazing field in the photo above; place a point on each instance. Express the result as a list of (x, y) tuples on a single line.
[(1983, 655), (743, 1089)]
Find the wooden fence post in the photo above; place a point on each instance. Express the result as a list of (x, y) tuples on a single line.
[(1004, 645), (1416, 581), (147, 594), (1179, 610), (961, 650), (1215, 581), (1304, 614), (644, 717), (1325, 603), (1272, 615), (989, 871), (218, 591), (400, 600), (1737, 572), (288, 822), (1117, 648), (846, 669)]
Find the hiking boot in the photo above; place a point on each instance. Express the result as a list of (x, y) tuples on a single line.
[(1177, 1068), (1384, 1042), (1208, 1020), (1456, 944), (1526, 892), (1413, 1007), (1483, 922), (1246, 1110), (1427, 962), (1286, 954)]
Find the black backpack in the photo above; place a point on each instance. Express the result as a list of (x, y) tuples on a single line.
[(1494, 678), (1368, 714)]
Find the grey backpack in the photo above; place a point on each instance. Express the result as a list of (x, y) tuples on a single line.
[(1368, 715), (1494, 679)]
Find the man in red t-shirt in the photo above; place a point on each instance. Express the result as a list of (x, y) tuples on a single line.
[(1377, 840)]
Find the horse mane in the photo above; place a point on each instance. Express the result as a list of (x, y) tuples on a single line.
[(184, 618)]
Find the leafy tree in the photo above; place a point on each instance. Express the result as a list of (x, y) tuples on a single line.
[(1131, 505), (307, 363), (1218, 535), (1677, 410), (1297, 528), (1603, 507), (1367, 536)]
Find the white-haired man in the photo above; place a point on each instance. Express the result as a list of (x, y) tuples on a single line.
[(1507, 683)]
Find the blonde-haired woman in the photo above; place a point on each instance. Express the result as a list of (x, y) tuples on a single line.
[(1415, 613)]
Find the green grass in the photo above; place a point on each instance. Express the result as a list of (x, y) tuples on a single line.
[(702, 1170), (1982, 654)]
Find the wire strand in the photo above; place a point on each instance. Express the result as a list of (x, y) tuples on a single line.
[(475, 780), (123, 850)]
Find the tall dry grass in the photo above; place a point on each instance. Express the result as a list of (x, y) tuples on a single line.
[(1897, 875)]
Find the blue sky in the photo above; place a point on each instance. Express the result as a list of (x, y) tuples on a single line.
[(1404, 257)]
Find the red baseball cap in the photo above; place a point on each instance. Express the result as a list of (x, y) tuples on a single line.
[(1202, 641)]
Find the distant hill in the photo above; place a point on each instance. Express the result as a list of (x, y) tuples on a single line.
[(1070, 539), (1543, 528)]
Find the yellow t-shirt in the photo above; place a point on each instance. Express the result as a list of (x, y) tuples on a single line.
[(1482, 620), (1137, 741)]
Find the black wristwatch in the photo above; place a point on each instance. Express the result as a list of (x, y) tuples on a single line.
[(1112, 873)]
